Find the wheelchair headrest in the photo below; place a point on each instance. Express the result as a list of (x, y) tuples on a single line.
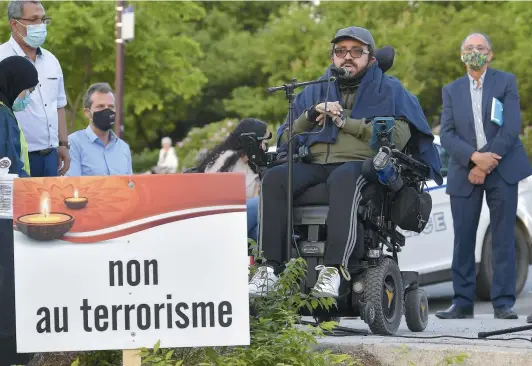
[(385, 57)]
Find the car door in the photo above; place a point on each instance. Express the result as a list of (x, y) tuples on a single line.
[(431, 251)]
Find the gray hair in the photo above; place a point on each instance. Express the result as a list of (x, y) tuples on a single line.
[(98, 87), (488, 40), (166, 139), (15, 8)]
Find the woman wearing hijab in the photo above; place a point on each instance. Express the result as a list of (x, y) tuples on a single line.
[(18, 78)]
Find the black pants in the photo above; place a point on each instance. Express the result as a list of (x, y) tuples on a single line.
[(8, 350), (341, 182)]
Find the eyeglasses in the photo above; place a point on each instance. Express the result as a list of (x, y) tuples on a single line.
[(45, 20), (354, 52)]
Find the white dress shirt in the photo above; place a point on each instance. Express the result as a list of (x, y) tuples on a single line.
[(476, 103), (39, 121)]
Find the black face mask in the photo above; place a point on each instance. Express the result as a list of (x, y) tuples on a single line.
[(104, 120)]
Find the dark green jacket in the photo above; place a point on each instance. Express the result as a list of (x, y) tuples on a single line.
[(352, 142)]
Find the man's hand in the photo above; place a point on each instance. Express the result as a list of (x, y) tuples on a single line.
[(63, 163), (477, 176), (485, 161), (334, 110)]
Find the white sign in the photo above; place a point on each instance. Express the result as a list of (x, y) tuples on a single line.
[(128, 24), (168, 266), (6, 189)]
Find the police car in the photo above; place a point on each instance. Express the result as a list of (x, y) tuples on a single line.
[(430, 253)]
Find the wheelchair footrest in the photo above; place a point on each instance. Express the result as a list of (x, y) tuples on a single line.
[(400, 238), (398, 250), (311, 248)]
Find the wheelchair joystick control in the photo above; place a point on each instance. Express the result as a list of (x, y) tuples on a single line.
[(386, 171)]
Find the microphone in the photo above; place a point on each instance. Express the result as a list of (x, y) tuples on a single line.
[(342, 72)]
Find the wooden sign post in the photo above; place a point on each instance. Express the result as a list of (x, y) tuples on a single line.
[(131, 357)]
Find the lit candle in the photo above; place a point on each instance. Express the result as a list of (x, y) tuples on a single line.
[(76, 202), (45, 217), (45, 225)]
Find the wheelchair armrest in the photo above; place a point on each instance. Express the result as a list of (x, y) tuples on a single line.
[(411, 166)]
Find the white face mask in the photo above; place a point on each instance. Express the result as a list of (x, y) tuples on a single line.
[(36, 35)]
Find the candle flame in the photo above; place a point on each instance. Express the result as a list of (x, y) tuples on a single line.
[(45, 206), (75, 193)]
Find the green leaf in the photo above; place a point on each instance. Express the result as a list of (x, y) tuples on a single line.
[(211, 354), (169, 354), (156, 347)]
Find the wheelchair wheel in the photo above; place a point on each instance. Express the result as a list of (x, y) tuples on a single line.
[(416, 310), (384, 295)]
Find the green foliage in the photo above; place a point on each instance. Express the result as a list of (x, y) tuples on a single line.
[(161, 74), (192, 63), (526, 138), (425, 35), (145, 160), (453, 360), (99, 358), (402, 354), (275, 337)]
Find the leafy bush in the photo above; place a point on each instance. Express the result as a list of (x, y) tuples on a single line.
[(99, 358), (526, 138), (276, 339), (145, 160)]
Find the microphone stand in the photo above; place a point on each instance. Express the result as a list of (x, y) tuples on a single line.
[(289, 91), (504, 331)]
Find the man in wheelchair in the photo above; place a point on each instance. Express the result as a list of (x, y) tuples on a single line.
[(337, 135)]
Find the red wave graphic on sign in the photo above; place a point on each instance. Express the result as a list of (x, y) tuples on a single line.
[(148, 223), (118, 200)]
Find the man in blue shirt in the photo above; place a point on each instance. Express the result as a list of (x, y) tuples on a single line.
[(97, 150)]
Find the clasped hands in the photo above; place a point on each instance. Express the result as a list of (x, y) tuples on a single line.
[(485, 163), (334, 110)]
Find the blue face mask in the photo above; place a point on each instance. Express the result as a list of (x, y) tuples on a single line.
[(21, 104), (36, 35)]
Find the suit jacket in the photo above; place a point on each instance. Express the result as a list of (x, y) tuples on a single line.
[(458, 137)]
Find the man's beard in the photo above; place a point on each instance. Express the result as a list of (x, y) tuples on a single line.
[(353, 80), (357, 69)]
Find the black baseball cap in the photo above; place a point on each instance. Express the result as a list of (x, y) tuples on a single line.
[(357, 33)]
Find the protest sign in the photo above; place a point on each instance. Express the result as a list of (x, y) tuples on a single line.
[(121, 262)]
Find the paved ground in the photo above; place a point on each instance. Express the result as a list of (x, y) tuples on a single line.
[(404, 350), (440, 298), (401, 350)]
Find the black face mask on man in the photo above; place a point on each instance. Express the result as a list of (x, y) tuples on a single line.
[(104, 119)]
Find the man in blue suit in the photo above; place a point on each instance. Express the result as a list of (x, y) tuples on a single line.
[(485, 157)]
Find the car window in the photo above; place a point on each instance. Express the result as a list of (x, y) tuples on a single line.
[(444, 157)]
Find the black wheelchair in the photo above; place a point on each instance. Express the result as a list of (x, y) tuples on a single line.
[(375, 289)]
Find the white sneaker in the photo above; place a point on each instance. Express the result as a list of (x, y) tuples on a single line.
[(328, 282), (261, 281)]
